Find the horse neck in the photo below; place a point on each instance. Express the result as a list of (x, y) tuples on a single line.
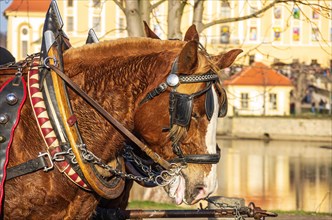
[(117, 84)]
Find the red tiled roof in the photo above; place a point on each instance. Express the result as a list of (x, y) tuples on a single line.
[(29, 6), (258, 74)]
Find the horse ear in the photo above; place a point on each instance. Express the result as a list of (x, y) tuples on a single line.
[(149, 33), (191, 34), (226, 59), (188, 59)]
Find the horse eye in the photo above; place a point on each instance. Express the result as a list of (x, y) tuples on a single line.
[(195, 115)]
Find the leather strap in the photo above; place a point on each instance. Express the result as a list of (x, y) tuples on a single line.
[(12, 98), (27, 167), (199, 158)]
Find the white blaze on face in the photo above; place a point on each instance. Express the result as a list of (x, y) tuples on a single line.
[(176, 188), (210, 140)]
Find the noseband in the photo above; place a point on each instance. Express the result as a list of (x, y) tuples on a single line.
[(180, 109)]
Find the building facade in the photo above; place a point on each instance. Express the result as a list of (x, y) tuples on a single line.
[(284, 32)]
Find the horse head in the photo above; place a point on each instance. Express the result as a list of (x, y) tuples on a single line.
[(177, 122), (198, 137)]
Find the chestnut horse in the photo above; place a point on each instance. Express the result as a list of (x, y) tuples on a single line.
[(119, 75)]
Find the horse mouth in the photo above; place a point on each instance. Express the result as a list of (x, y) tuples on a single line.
[(176, 189)]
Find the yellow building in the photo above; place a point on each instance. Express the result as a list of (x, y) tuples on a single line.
[(284, 32)]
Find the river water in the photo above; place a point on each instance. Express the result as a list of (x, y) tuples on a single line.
[(275, 175)]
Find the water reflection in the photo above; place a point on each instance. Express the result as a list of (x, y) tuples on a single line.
[(278, 174)]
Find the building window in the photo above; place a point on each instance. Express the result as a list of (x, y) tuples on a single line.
[(24, 51), (24, 42), (96, 23), (296, 13), (24, 31), (122, 23), (70, 3), (277, 33), (70, 23), (225, 9), (277, 12), (296, 34), (315, 34), (253, 33), (244, 100), (315, 13), (251, 59), (96, 3), (225, 35), (273, 101)]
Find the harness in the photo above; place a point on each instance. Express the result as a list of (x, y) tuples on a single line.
[(66, 150)]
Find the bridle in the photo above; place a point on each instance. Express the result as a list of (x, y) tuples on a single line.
[(180, 109)]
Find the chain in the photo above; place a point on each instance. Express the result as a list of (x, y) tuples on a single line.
[(164, 178), (130, 156), (20, 65), (222, 205)]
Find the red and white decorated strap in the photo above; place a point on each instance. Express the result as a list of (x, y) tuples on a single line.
[(45, 126)]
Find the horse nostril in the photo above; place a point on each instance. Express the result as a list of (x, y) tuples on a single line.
[(199, 191)]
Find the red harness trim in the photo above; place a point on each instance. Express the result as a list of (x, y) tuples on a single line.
[(45, 126), (11, 134)]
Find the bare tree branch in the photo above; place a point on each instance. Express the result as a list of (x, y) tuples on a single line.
[(235, 19), (155, 5), (259, 12), (119, 4)]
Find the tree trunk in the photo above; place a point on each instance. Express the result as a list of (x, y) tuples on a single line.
[(300, 88), (198, 15), (175, 11), (145, 9), (134, 20), (298, 107)]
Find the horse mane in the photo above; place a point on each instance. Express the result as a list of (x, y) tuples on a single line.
[(131, 46)]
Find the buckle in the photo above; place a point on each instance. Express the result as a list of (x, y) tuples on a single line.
[(44, 154)]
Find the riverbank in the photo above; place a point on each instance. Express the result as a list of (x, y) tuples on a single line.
[(276, 128)]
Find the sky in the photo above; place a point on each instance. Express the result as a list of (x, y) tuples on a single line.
[(3, 21)]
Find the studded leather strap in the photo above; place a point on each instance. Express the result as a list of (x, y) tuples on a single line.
[(12, 98)]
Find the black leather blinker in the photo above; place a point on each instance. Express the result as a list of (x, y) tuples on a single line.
[(223, 104), (183, 107), (209, 104)]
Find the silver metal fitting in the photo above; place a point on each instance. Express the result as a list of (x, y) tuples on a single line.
[(11, 99)]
